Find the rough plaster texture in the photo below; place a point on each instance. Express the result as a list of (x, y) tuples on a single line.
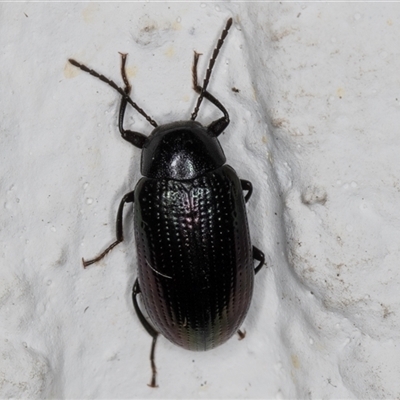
[(314, 127)]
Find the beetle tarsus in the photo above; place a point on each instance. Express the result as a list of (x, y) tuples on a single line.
[(153, 383), (128, 86), (150, 330), (102, 255), (128, 198), (242, 334)]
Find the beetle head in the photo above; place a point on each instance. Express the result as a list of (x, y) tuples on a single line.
[(181, 150)]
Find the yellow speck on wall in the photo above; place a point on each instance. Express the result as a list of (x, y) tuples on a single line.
[(340, 92), (132, 71), (170, 52), (89, 12), (295, 361)]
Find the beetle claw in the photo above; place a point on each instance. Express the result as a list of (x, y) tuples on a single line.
[(153, 384)]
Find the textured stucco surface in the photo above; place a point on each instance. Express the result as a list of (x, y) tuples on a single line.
[(314, 126)]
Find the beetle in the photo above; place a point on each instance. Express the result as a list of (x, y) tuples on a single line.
[(195, 259)]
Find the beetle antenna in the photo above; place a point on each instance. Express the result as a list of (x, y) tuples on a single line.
[(116, 87), (210, 67)]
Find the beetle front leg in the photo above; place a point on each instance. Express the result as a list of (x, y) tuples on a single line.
[(218, 126), (128, 198), (135, 138), (259, 256), (150, 330)]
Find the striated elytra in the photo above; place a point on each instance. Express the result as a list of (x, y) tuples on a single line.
[(194, 255)]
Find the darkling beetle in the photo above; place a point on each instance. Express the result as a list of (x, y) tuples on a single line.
[(195, 259)]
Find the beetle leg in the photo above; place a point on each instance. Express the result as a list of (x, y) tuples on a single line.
[(259, 256), (242, 334), (150, 330), (128, 198), (203, 92), (246, 185), (218, 126), (135, 138)]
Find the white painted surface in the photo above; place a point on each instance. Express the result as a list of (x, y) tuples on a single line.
[(315, 127)]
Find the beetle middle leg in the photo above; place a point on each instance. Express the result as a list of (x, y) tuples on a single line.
[(150, 330), (259, 256), (128, 198), (257, 253), (246, 185)]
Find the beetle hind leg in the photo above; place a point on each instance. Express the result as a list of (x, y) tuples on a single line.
[(128, 198), (150, 330)]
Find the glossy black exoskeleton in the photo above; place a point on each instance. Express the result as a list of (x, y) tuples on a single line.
[(195, 258)]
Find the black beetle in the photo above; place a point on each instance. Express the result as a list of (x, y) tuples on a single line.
[(195, 258)]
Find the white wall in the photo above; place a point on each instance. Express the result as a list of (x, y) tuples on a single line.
[(315, 127)]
